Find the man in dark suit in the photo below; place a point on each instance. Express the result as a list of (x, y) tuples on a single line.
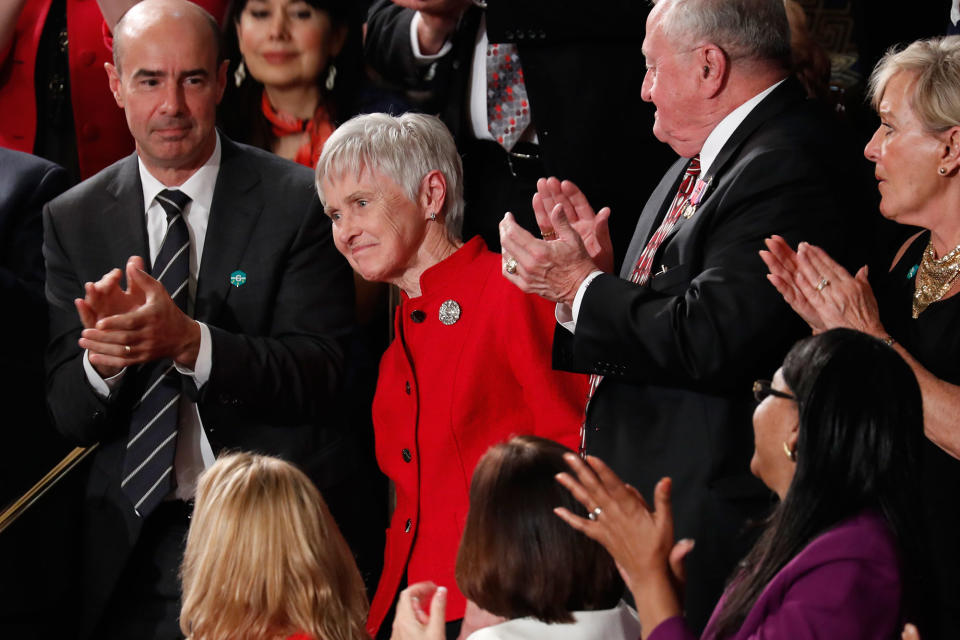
[(225, 334), (582, 73), (691, 321), (31, 589)]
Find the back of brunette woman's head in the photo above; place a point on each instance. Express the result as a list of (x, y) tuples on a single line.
[(517, 558), (859, 438), (264, 558)]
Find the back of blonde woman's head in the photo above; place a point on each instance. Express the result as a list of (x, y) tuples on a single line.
[(935, 65), (264, 558)]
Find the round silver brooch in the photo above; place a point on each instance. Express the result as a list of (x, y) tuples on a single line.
[(449, 312)]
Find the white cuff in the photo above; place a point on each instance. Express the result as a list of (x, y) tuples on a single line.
[(101, 386), (415, 43), (567, 315), (201, 368)]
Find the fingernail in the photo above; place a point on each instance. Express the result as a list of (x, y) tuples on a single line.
[(441, 593), (689, 541)]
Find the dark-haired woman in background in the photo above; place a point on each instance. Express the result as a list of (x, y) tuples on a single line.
[(295, 70), (519, 562), (837, 435)]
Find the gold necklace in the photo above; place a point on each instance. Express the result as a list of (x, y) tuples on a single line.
[(934, 277)]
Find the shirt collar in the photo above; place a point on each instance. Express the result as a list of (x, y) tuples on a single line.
[(199, 186), (725, 128)]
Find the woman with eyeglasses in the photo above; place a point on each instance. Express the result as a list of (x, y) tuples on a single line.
[(837, 434)]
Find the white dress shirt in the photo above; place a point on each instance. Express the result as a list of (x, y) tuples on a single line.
[(194, 452), (567, 314)]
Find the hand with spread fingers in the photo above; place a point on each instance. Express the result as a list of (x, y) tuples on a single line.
[(551, 269), (821, 291), (592, 227), (144, 323), (106, 298), (640, 540)]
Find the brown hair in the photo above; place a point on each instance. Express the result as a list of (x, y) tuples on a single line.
[(264, 558), (517, 558)]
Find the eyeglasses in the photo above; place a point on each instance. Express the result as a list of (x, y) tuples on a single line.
[(764, 388)]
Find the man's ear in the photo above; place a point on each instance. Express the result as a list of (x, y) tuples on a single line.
[(713, 68), (113, 78)]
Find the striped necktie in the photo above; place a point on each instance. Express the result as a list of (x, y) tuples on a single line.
[(641, 271), (152, 441)]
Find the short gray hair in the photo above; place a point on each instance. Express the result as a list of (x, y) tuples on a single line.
[(405, 149), (935, 63), (744, 29)]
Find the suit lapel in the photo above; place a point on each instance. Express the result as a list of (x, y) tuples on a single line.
[(652, 214), (124, 217), (234, 213), (783, 96)]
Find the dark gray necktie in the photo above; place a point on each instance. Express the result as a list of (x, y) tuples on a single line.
[(152, 441)]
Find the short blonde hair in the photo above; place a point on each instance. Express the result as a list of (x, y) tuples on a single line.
[(264, 558), (935, 64)]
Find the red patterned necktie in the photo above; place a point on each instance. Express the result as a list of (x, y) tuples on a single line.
[(508, 112), (641, 271)]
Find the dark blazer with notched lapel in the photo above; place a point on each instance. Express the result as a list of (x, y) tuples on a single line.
[(680, 353), (276, 357)]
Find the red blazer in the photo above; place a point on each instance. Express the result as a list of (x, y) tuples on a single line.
[(445, 394), (101, 128)]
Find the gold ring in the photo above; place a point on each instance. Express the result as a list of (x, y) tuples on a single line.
[(126, 348), (511, 266), (548, 235), (823, 283)]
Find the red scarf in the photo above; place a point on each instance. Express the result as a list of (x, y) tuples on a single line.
[(318, 128)]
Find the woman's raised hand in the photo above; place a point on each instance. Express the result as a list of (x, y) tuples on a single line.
[(781, 260), (840, 300), (639, 539)]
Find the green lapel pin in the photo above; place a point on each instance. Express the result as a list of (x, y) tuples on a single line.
[(238, 278)]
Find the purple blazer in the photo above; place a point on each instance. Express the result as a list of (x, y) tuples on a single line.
[(845, 585)]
